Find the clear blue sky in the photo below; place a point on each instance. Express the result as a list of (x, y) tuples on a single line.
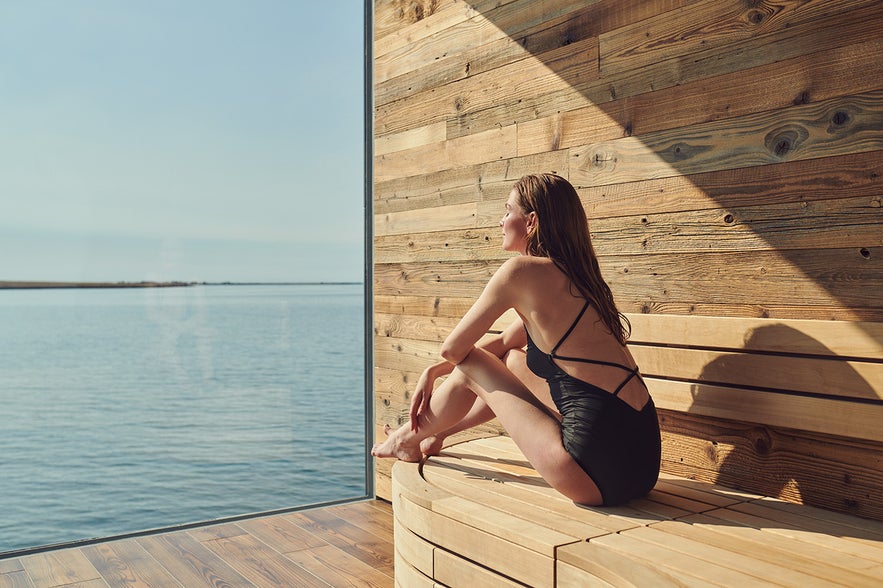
[(205, 140)]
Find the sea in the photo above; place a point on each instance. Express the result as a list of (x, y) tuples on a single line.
[(130, 409)]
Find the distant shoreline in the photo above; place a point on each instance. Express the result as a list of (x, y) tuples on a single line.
[(44, 285), (23, 285)]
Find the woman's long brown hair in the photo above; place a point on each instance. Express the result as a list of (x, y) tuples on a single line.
[(561, 233)]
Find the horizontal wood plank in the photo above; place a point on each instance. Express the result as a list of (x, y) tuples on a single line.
[(821, 415), (852, 339), (846, 125)]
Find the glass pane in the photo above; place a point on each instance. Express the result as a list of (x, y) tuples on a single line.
[(217, 146)]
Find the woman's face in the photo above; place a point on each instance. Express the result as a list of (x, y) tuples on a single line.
[(515, 224)]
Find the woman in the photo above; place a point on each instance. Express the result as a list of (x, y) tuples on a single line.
[(573, 402)]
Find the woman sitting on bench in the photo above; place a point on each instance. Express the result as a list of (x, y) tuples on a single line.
[(574, 401)]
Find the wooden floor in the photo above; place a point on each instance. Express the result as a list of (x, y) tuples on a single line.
[(343, 545)]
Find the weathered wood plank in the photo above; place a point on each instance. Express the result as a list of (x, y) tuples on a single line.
[(807, 224), (835, 473), (844, 176), (820, 277), (425, 219), (466, 184), (409, 139), (806, 337), (477, 54), (705, 25), (823, 277), (426, 306), (804, 225), (490, 145), (820, 415), (393, 16), (790, 374), (17, 579), (852, 124), (854, 27), (533, 75), (847, 70)]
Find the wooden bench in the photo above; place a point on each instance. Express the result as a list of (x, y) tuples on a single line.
[(772, 443), (479, 515)]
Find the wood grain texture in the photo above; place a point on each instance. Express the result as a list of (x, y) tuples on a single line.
[(280, 550)]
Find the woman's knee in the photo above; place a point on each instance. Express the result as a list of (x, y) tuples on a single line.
[(515, 360)]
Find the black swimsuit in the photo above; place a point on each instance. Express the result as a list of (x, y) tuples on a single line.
[(617, 446)]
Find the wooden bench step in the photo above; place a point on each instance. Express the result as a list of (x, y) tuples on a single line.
[(479, 515)]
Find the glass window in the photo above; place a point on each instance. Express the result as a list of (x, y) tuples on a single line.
[(203, 163)]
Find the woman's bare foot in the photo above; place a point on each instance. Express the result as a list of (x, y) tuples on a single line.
[(394, 447), (432, 445)]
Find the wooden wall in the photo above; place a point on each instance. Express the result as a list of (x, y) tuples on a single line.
[(729, 155)]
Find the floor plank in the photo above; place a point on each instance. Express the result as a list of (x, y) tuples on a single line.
[(361, 544), (343, 545), (191, 563)]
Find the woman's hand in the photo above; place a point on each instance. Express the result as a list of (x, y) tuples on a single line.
[(423, 390)]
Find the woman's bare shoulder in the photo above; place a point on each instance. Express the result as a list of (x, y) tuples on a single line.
[(526, 265), (528, 275)]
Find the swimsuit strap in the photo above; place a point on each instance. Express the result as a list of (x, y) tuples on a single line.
[(632, 374), (570, 330), (553, 355)]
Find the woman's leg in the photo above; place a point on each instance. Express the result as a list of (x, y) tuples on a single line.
[(449, 405), (534, 428), (480, 412)]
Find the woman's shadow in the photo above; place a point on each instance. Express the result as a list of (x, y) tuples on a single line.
[(809, 467)]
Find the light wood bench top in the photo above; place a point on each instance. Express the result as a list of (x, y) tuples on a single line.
[(479, 515)]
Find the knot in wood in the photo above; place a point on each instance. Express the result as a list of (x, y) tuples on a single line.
[(682, 151), (729, 219), (761, 446), (781, 142), (755, 17), (840, 118), (761, 441)]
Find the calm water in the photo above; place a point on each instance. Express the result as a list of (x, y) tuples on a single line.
[(126, 410)]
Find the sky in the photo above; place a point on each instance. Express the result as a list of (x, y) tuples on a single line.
[(194, 140)]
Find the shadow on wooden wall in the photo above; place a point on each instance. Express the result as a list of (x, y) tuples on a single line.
[(801, 465), (728, 154)]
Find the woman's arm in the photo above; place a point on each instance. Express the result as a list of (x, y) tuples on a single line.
[(498, 296), (512, 337)]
